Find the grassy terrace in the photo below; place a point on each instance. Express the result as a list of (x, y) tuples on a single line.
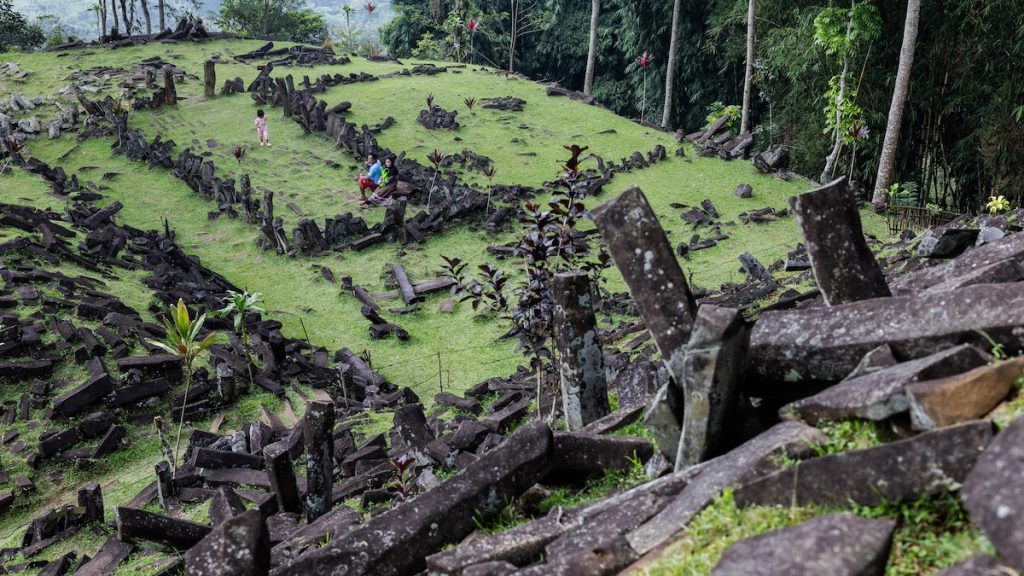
[(525, 147)]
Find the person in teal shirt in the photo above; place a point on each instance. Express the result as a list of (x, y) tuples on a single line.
[(371, 179)]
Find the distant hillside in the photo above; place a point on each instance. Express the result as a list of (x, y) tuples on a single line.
[(77, 18)]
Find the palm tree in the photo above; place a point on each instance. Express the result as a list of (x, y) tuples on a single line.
[(588, 81), (748, 80), (666, 114), (899, 98), (183, 342), (160, 11), (113, 10)]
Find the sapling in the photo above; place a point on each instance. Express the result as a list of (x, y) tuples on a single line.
[(183, 341), (241, 304)]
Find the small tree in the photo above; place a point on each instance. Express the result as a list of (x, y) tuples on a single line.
[(242, 304), (183, 341)]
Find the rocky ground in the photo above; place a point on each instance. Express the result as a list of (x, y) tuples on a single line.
[(699, 406)]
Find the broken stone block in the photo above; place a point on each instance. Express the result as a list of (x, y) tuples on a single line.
[(963, 397), (331, 525), (902, 471), (397, 542), (90, 497), (134, 525), (82, 396), (753, 459), (791, 347), (579, 452), (225, 504), (994, 495), (608, 558), (744, 191), (581, 365), (843, 265), (713, 365), (238, 546), (836, 544), (638, 245), (1008, 250), (946, 242), (882, 394)]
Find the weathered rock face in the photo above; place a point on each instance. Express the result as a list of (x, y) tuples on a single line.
[(928, 464), (584, 389), (643, 255), (994, 494), (752, 460), (882, 394), (238, 546), (955, 399), (713, 363), (825, 344), (844, 267), (398, 541), (663, 417), (836, 544)]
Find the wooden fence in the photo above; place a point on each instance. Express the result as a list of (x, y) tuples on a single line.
[(899, 218)]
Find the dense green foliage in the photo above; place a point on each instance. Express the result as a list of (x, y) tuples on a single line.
[(16, 31), (963, 130), (287, 19)]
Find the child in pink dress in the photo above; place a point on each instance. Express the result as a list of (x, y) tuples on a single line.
[(261, 128)]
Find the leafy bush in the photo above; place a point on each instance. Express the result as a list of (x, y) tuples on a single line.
[(717, 110)]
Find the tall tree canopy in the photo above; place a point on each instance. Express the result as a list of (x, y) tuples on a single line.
[(962, 131), (15, 29), (286, 19)]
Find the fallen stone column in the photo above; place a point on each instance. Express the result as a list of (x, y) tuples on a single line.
[(281, 477), (581, 360), (843, 265), (134, 525), (398, 541), (757, 457), (902, 471), (790, 348), (832, 544)]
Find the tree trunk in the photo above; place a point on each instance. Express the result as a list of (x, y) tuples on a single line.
[(160, 14), (748, 80), (899, 98), (512, 37), (113, 11), (144, 4), (830, 162), (103, 19), (666, 114), (588, 81), (124, 18)]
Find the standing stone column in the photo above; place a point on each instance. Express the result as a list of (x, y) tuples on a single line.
[(843, 265), (209, 78), (90, 497), (170, 93), (164, 482), (581, 360), (715, 360), (643, 255), (282, 477), (318, 432)]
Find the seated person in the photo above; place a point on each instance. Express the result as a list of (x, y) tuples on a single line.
[(384, 194), (371, 179)]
